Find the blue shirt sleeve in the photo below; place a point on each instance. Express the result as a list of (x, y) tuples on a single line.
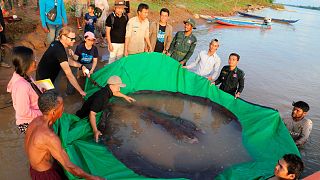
[(64, 13), (78, 50), (42, 7), (95, 19), (95, 52), (86, 16)]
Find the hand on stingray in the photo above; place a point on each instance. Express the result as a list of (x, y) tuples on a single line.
[(129, 99), (96, 135)]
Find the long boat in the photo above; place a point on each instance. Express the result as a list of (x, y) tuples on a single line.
[(241, 22), (272, 19), (235, 22), (208, 18)]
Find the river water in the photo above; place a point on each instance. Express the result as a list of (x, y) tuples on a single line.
[(281, 66)]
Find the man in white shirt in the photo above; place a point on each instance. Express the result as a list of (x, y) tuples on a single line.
[(208, 62)]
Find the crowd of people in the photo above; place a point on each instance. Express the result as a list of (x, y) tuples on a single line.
[(36, 109)]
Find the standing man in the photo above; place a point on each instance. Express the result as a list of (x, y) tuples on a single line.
[(101, 22), (208, 62), (183, 43), (50, 27), (43, 146), (99, 101), (127, 9), (116, 30), (231, 77), (81, 7), (161, 33), (137, 32), (55, 61), (299, 126)]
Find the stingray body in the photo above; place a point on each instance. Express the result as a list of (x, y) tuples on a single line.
[(182, 129)]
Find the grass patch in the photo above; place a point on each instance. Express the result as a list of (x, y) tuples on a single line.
[(197, 6)]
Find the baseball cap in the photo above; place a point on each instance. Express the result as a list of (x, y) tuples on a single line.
[(116, 80), (89, 35), (192, 22), (119, 3)]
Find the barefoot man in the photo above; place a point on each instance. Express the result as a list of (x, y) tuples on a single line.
[(43, 146)]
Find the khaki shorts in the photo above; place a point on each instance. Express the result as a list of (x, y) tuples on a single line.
[(80, 10)]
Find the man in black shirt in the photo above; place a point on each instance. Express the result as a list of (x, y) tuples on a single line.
[(55, 60), (161, 32), (231, 77), (116, 24), (99, 101)]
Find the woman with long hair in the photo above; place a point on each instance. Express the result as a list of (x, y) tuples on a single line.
[(23, 91)]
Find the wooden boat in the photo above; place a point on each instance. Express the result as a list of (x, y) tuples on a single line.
[(242, 22), (235, 22), (272, 19), (315, 176), (207, 17)]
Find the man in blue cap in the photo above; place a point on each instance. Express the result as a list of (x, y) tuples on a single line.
[(183, 43)]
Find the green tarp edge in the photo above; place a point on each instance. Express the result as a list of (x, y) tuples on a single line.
[(264, 135)]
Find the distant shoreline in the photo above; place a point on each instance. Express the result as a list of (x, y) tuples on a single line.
[(304, 7)]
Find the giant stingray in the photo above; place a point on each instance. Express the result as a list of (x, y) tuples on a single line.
[(119, 117)]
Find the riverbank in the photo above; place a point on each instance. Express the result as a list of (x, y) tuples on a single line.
[(28, 32), (180, 11)]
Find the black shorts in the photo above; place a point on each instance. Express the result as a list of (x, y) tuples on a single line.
[(23, 127)]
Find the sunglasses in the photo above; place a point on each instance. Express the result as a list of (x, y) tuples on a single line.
[(71, 39)]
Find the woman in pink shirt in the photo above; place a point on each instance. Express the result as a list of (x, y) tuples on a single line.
[(23, 91)]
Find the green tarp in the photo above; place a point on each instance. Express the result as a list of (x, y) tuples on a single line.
[(264, 135)]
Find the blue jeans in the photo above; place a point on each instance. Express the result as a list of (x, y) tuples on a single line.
[(53, 32)]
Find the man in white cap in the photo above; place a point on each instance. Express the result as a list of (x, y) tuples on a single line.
[(99, 100), (116, 24)]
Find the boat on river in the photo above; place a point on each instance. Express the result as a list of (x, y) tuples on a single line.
[(242, 22), (272, 19), (266, 23)]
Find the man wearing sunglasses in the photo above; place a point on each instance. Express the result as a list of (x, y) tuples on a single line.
[(54, 61)]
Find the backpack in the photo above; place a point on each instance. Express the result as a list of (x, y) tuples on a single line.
[(97, 12), (113, 15)]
